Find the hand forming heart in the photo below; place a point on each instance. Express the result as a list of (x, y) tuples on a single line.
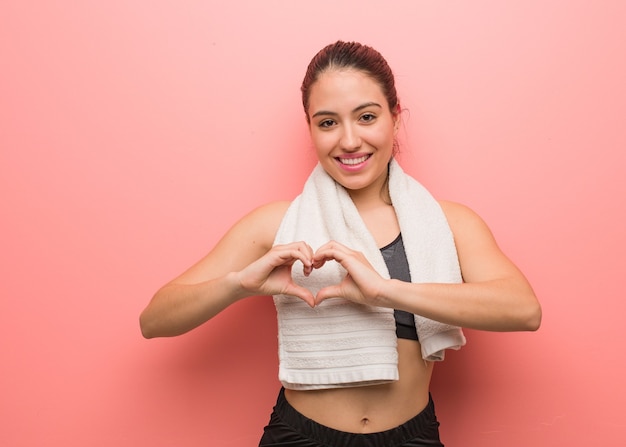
[(271, 274)]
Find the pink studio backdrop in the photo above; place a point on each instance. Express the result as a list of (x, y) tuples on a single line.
[(134, 133)]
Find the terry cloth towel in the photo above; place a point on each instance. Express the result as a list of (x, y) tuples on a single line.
[(340, 343)]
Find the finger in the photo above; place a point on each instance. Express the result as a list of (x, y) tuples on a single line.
[(333, 245), (296, 251), (300, 245), (287, 255), (332, 252), (323, 255), (306, 254)]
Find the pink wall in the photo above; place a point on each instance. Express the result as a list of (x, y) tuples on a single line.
[(132, 134)]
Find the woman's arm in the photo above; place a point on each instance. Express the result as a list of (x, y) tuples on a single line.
[(242, 264), (494, 296)]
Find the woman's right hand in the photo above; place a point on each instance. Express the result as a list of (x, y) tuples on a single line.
[(271, 273)]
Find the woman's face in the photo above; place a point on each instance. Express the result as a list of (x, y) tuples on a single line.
[(352, 128)]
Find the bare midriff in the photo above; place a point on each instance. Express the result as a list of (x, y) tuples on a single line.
[(375, 408)]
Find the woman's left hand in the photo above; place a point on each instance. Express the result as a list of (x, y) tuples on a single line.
[(362, 284)]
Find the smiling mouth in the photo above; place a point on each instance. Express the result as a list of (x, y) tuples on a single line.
[(353, 161)]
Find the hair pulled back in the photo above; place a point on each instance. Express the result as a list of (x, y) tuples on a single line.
[(350, 55)]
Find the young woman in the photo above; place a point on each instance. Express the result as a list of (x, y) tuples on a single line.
[(434, 267)]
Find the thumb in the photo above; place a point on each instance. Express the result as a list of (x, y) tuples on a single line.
[(326, 293), (301, 292)]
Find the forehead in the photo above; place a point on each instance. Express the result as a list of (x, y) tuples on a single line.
[(344, 89)]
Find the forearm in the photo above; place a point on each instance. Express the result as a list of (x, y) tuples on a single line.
[(179, 308), (495, 305)]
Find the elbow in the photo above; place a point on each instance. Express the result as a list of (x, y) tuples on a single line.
[(155, 326), (146, 333), (531, 320), (535, 322), (147, 329), (532, 323), (151, 320)]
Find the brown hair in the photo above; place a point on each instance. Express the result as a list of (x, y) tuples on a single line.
[(350, 55)]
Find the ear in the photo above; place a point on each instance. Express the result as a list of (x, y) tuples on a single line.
[(397, 113)]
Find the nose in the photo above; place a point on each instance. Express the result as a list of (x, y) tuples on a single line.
[(350, 139)]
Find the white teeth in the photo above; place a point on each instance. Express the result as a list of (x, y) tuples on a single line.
[(353, 161)]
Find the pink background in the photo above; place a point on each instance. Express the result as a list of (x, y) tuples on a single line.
[(134, 133)]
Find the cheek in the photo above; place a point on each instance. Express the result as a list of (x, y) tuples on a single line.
[(322, 141), (381, 138)]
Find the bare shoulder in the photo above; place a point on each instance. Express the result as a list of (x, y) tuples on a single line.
[(465, 223), (246, 241), (264, 220), (261, 224), (457, 213), (479, 254), (257, 228)]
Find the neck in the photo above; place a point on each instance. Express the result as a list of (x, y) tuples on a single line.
[(374, 196)]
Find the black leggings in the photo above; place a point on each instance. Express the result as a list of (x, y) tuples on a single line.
[(289, 428)]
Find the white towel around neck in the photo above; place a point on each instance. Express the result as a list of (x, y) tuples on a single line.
[(339, 343)]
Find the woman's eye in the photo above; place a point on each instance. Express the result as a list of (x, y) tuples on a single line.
[(367, 117), (326, 124)]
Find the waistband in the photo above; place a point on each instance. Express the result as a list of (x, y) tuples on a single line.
[(424, 426)]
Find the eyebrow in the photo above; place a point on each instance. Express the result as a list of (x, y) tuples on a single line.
[(361, 107)]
